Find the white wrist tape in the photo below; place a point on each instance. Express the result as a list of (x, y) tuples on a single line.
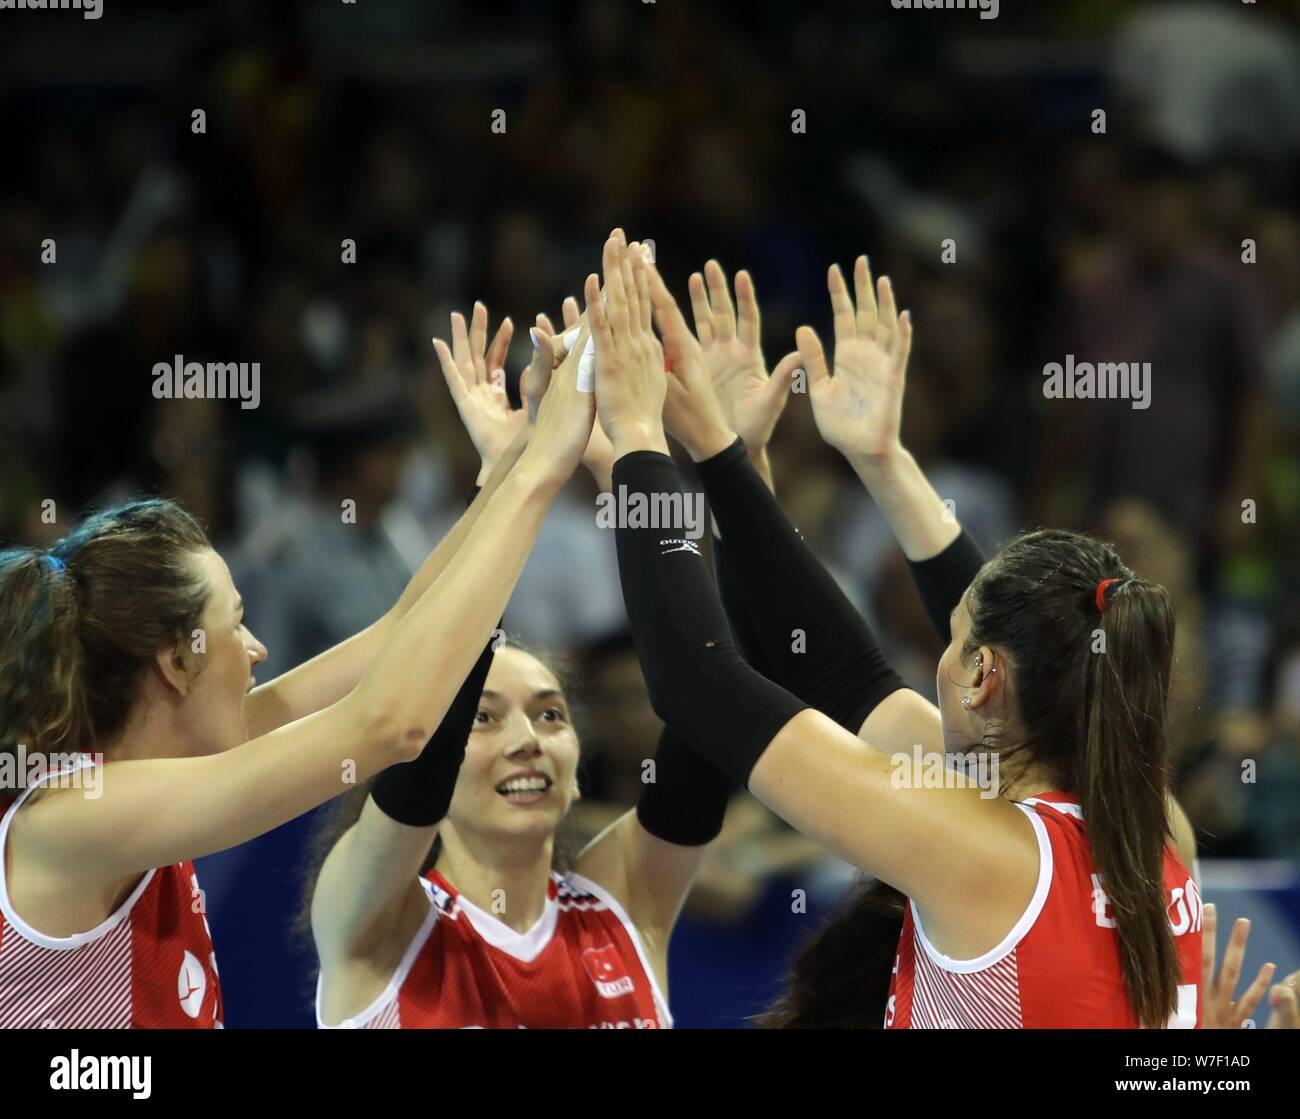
[(586, 361)]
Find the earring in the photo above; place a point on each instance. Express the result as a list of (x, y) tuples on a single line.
[(965, 702), (979, 660)]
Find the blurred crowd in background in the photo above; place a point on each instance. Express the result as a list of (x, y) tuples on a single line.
[(373, 122)]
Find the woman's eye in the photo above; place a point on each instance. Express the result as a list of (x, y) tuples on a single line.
[(553, 715), (482, 718)]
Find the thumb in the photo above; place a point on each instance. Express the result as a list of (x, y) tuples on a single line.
[(812, 356), (778, 385)]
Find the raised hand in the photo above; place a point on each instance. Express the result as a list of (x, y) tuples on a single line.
[(859, 410), (564, 419), (1219, 1010), (475, 375), (548, 349), (1285, 1001), (630, 380), (730, 343), (692, 411)]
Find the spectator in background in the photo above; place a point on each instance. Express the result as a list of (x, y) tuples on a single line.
[(338, 566)]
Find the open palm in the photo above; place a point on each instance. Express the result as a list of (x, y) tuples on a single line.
[(751, 400), (859, 407), (476, 377)]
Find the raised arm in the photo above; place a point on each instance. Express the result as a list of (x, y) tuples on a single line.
[(367, 901), (155, 812), (971, 863), (795, 622), (472, 369)]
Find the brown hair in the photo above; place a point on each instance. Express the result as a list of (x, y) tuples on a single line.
[(1092, 692), (80, 624)]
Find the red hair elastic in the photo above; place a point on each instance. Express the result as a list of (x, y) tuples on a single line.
[(1101, 594)]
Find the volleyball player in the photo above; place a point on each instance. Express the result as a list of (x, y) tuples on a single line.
[(127, 640), (440, 904), (835, 980), (1046, 905)]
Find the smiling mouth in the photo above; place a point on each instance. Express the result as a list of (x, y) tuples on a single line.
[(524, 790)]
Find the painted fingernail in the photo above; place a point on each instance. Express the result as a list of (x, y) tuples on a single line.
[(532, 335)]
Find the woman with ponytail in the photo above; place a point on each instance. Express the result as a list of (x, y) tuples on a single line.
[(1054, 899), (124, 649)]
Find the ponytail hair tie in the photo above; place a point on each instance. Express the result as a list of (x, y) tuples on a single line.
[(1100, 597), (56, 564)]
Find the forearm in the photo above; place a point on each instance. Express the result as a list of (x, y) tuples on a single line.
[(441, 556), (920, 521), (364, 882), (418, 793), (412, 679), (788, 609), (329, 676), (697, 680)]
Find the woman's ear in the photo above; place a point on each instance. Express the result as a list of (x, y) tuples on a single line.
[(989, 677), (174, 669)]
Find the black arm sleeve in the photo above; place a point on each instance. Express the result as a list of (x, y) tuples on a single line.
[(418, 793), (686, 801), (943, 579), (799, 625), (699, 684)]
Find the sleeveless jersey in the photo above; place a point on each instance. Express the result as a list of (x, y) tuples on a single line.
[(150, 965), (1059, 967), (582, 965)]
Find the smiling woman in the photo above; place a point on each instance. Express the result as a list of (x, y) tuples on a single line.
[(127, 642), (438, 903)]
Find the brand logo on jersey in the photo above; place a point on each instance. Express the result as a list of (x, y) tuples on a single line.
[(679, 546), (191, 984), (607, 971)]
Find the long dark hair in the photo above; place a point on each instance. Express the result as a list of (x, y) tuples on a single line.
[(81, 623), (1092, 691)]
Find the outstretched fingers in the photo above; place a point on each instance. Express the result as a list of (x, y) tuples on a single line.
[(700, 309), (450, 370), (616, 295), (904, 348), (846, 324), (460, 348), (865, 294), (667, 315), (724, 314), (748, 322), (598, 316), (887, 330), (569, 311)]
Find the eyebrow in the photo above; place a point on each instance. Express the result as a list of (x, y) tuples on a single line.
[(545, 693)]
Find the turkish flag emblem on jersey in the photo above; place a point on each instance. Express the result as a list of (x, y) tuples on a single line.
[(607, 971)]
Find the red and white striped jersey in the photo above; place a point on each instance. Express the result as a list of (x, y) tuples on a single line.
[(582, 965), (1059, 967), (150, 965)]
